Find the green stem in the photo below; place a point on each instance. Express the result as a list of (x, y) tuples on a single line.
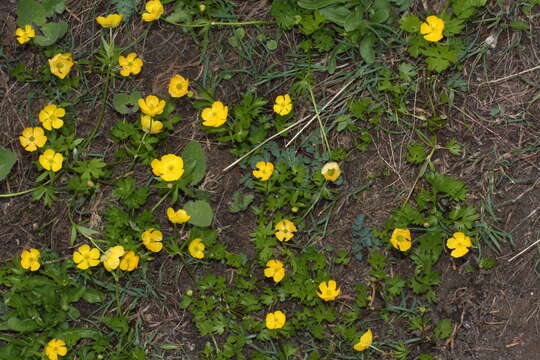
[(160, 201), (102, 109), (24, 191), (217, 23), (117, 293), (421, 173)]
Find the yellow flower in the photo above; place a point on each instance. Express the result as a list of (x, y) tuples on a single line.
[(61, 64), (169, 168), (459, 243), (283, 105), (275, 320), (50, 116), (33, 138), (111, 258), (401, 239), (109, 21), (216, 115), (365, 341), (30, 259), (328, 290), (275, 270), (154, 9), (151, 239), (150, 125), (26, 34), (178, 86), (51, 160), (152, 105), (196, 248), (285, 230), (178, 217), (331, 171), (131, 64), (432, 29), (265, 170), (129, 261), (86, 257), (54, 348)]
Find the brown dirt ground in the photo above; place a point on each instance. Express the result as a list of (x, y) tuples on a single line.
[(496, 312)]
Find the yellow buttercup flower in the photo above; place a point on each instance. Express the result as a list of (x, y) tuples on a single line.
[(264, 170), (178, 86), (55, 348), (50, 117), (275, 320), (109, 21), (61, 65), (274, 269), (30, 259), (432, 29), (328, 290), (151, 239), (401, 239), (196, 248), (365, 341), (150, 125), (111, 257), (154, 9), (86, 257), (331, 171), (152, 105), (169, 168), (51, 160), (216, 115), (285, 230), (177, 217), (460, 243), (129, 261), (26, 34), (283, 105), (32, 138), (131, 64)]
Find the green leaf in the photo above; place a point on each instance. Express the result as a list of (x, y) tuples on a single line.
[(16, 324), (93, 296), (520, 25), (337, 15), (443, 330), (487, 263), (72, 336), (126, 103), (51, 33), (200, 211), (416, 153), (194, 162), (353, 21), (30, 12), (366, 50), (317, 4), (286, 13), (7, 160), (381, 11), (117, 324), (410, 23), (54, 6), (240, 202)]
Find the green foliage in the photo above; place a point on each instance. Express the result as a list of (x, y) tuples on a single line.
[(32, 12), (7, 160), (362, 238), (125, 7), (200, 212), (194, 162), (443, 330), (240, 202), (126, 103)]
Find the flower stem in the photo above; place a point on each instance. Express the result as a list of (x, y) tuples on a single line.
[(323, 132), (160, 201), (217, 23), (24, 191)]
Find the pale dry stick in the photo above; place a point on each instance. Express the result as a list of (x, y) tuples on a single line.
[(320, 111), (288, 128), (511, 76), (523, 251)]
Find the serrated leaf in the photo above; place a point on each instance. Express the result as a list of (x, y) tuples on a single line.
[(7, 160), (200, 211), (54, 6), (443, 330), (194, 159), (240, 202), (52, 32)]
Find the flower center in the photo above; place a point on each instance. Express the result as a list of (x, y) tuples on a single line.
[(31, 139), (179, 86)]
